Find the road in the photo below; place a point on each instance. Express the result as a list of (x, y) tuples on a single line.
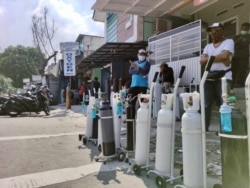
[(44, 151)]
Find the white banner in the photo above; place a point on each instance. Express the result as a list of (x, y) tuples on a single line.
[(69, 63)]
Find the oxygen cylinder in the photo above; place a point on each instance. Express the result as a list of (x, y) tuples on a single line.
[(142, 126), (107, 129), (226, 117), (93, 112), (111, 98), (157, 98), (119, 109), (89, 117), (86, 103), (192, 141), (234, 149), (164, 132), (130, 112), (99, 140), (122, 93), (117, 122)]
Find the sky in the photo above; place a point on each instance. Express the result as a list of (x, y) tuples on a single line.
[(72, 17)]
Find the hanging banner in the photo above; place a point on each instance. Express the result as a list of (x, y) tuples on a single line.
[(69, 63)]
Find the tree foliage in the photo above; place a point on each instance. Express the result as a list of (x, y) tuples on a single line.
[(5, 84), (20, 62), (43, 31)]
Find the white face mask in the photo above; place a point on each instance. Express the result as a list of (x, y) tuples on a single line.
[(141, 57), (243, 32)]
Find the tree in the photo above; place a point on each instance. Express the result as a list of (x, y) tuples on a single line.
[(5, 84), (20, 62), (43, 32)]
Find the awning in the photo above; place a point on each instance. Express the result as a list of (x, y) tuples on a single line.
[(154, 8), (113, 50)]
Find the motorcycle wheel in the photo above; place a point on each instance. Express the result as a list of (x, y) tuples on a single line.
[(11, 112)]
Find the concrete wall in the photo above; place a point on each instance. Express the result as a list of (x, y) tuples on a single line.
[(125, 27), (91, 44)]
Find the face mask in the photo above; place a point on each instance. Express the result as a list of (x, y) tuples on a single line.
[(243, 32), (141, 57)]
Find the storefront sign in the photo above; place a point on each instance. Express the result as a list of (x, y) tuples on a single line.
[(69, 63)]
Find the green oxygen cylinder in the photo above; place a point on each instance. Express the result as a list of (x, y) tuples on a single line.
[(234, 149)]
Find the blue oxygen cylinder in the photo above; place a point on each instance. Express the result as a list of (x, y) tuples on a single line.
[(93, 112), (119, 108), (83, 107), (226, 117)]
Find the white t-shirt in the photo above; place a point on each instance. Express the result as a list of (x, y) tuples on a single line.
[(210, 50)]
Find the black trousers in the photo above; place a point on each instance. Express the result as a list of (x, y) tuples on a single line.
[(134, 91)]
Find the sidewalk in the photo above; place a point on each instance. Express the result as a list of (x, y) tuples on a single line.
[(212, 148)]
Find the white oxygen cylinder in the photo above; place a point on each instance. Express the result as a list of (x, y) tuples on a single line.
[(116, 120), (164, 135), (192, 141), (111, 98), (99, 139), (89, 125), (142, 128), (157, 98)]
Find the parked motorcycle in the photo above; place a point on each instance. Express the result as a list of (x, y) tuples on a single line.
[(3, 99), (17, 104)]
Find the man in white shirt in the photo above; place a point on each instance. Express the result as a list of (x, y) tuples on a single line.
[(223, 50)]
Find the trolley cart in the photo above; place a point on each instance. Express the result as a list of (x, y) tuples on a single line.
[(130, 123), (156, 96), (88, 136), (117, 120), (203, 132), (143, 122), (142, 134), (130, 112), (233, 137), (108, 148), (247, 94), (165, 141)]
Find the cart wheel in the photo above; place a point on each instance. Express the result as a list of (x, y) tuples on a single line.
[(137, 169), (121, 156), (84, 141), (100, 148), (160, 182), (217, 186), (181, 174), (79, 137)]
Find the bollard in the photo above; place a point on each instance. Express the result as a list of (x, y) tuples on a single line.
[(68, 99)]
